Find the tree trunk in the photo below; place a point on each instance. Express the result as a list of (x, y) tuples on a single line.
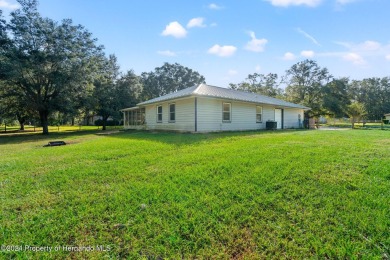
[(43, 115), (72, 121), (21, 122), (104, 123)]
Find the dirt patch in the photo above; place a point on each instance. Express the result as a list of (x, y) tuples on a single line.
[(109, 132), (328, 128)]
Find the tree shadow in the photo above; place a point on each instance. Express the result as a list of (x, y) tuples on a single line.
[(167, 137), (31, 136), (187, 138)]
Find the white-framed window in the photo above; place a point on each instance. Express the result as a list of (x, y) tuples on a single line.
[(159, 114), (172, 112), (259, 114), (226, 112)]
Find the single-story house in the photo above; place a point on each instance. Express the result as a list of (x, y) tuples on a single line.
[(387, 116), (206, 108)]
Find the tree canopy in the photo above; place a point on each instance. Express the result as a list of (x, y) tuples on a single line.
[(113, 90), (261, 84), (305, 81), (47, 64), (168, 78)]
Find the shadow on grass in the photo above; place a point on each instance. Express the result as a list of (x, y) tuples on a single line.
[(174, 138), (179, 139), (15, 138)]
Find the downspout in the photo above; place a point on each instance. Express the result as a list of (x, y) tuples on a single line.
[(196, 114), (282, 118)]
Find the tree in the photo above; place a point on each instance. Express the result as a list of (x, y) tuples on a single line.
[(48, 63), (305, 80), (113, 91), (168, 78), (335, 97), (104, 89), (129, 89), (11, 108), (267, 85), (356, 111), (374, 93)]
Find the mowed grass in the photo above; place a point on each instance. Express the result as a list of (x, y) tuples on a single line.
[(249, 195)]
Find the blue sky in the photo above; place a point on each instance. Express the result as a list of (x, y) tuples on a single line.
[(227, 40)]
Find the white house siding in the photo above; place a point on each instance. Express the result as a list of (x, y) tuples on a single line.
[(185, 115), (243, 116), (291, 119)]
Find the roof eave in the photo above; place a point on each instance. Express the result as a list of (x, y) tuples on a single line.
[(251, 101), (145, 103)]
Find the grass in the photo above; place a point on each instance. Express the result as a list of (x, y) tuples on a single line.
[(249, 195), (359, 125), (29, 129)]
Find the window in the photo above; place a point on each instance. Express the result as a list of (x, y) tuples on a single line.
[(159, 114), (172, 112), (259, 114), (226, 112)]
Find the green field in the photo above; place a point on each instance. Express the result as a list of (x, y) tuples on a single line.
[(248, 195)]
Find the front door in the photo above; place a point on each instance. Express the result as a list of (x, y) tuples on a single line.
[(278, 118)]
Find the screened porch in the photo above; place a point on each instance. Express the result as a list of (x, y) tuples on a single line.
[(134, 118)]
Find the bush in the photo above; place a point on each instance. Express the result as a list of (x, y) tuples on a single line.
[(386, 121), (114, 122)]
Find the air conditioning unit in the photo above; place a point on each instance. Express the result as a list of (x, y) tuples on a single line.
[(271, 125)]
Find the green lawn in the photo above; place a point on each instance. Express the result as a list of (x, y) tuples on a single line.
[(249, 195), (28, 129)]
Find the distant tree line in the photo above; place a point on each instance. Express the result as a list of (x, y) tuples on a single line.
[(308, 84), (55, 72)]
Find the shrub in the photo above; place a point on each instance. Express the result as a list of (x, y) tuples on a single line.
[(114, 122), (386, 121)]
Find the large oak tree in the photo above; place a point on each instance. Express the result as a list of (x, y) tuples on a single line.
[(168, 78), (305, 81), (47, 63), (267, 85), (113, 90)]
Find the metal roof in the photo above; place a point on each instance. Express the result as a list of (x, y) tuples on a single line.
[(223, 93)]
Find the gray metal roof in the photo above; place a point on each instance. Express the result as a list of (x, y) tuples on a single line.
[(178, 94), (223, 93)]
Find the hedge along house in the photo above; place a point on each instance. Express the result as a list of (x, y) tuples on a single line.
[(206, 108)]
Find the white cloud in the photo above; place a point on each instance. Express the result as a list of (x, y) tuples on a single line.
[(307, 54), (258, 68), (366, 46), (370, 46), (387, 57), (196, 22), (355, 58), (167, 53), (286, 3), (7, 5), (256, 45), (213, 24), (213, 6), (222, 51), (343, 2), (289, 56), (308, 36), (232, 72), (174, 29)]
